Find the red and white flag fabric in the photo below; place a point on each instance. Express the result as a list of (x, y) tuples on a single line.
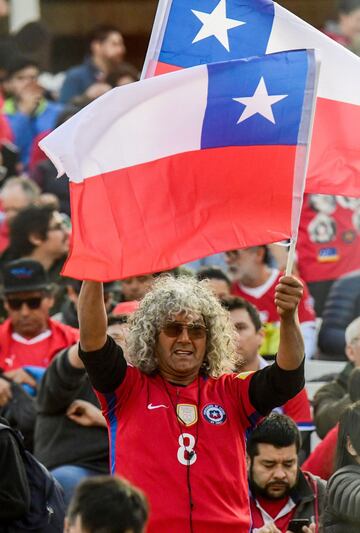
[(184, 165), (193, 32)]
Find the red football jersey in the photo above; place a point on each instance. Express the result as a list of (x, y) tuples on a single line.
[(298, 408), (279, 512), (16, 352), (263, 299), (329, 240), (321, 461), (214, 413)]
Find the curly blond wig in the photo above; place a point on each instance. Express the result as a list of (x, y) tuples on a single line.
[(169, 297)]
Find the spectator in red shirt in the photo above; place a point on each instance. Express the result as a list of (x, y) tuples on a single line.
[(279, 491), (321, 462), (247, 323), (328, 244), (255, 279), (29, 337)]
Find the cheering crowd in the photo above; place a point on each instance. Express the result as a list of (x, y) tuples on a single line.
[(172, 402)]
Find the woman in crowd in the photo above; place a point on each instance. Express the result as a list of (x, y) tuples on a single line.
[(342, 510)]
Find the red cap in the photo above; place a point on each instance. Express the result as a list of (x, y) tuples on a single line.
[(125, 308)]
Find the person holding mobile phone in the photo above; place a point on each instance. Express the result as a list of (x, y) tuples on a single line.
[(295, 524), (283, 499)]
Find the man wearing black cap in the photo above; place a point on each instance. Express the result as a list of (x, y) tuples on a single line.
[(29, 337)]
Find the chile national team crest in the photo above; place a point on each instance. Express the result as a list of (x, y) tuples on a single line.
[(215, 414), (187, 414)]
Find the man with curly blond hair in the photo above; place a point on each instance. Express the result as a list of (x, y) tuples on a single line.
[(176, 414)]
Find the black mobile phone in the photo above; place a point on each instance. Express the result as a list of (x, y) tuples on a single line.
[(296, 525)]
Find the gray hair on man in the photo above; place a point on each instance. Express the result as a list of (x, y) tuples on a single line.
[(28, 187), (352, 332), (168, 297)]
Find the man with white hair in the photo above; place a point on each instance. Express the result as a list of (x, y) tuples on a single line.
[(176, 417), (332, 399)]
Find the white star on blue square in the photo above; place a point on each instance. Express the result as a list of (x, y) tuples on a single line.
[(262, 105), (206, 31)]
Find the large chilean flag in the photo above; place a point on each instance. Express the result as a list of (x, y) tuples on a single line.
[(193, 32), (187, 164)]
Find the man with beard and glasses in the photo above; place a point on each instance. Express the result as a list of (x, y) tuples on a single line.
[(280, 493)]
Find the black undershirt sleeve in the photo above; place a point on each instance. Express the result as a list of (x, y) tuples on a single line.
[(272, 386), (106, 367)]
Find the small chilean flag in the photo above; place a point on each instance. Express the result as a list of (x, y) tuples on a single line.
[(184, 165), (194, 32)]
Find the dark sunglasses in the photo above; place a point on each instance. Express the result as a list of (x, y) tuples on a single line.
[(15, 304), (175, 329)]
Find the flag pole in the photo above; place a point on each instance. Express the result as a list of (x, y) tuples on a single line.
[(291, 257), (157, 35), (302, 166)]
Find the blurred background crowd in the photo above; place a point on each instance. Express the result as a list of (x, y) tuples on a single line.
[(54, 60)]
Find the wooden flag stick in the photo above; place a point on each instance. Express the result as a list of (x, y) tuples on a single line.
[(291, 258)]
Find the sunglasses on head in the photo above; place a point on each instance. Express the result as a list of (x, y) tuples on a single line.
[(175, 329), (16, 304)]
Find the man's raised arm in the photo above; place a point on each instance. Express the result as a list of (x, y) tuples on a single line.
[(103, 358), (288, 294), (276, 384), (92, 316)]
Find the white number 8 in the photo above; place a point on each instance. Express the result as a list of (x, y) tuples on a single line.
[(190, 456)]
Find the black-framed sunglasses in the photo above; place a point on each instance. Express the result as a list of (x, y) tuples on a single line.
[(16, 304), (175, 329)]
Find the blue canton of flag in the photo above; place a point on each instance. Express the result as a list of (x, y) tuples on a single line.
[(263, 102), (206, 31)]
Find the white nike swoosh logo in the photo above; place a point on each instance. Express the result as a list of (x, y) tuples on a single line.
[(151, 406)]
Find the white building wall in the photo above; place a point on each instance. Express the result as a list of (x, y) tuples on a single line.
[(22, 12)]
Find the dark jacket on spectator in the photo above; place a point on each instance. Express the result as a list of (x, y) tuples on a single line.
[(342, 307), (330, 401), (309, 496), (44, 174), (342, 506), (78, 79), (14, 486), (59, 440)]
